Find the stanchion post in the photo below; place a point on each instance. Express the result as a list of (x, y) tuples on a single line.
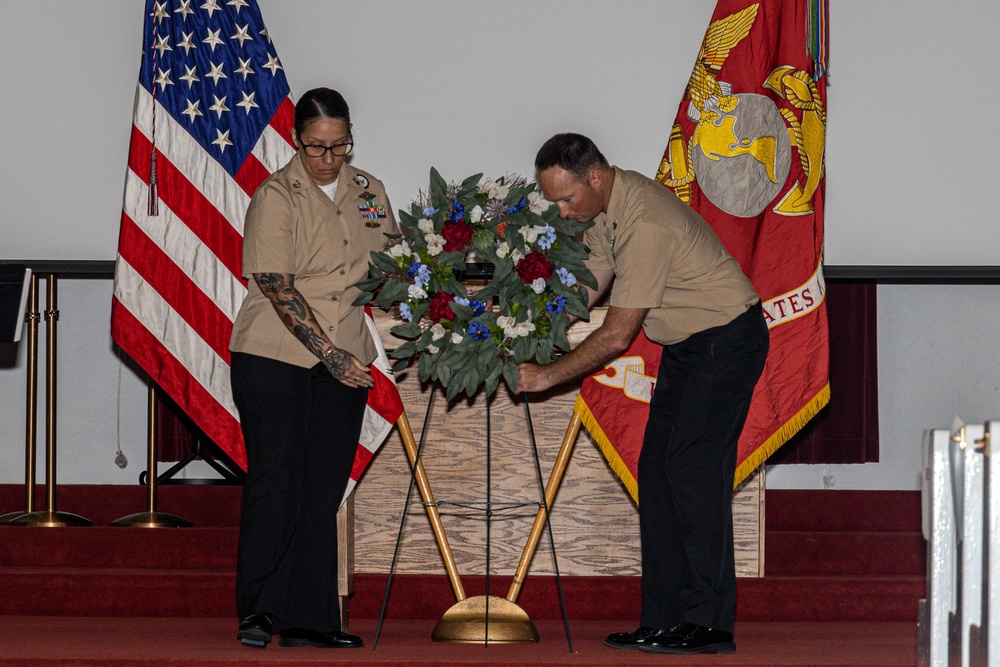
[(151, 518), (30, 405), (49, 517)]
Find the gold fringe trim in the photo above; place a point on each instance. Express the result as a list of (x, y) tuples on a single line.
[(604, 443), (782, 435), (752, 462)]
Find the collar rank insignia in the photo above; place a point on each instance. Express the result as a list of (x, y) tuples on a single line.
[(371, 211), (297, 184), (361, 180)]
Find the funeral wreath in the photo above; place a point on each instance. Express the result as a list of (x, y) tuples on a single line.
[(466, 336)]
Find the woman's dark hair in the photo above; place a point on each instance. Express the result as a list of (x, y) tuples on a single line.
[(320, 103), (573, 152)]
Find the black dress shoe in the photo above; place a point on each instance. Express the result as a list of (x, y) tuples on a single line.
[(691, 638), (633, 640), (255, 630), (329, 639)]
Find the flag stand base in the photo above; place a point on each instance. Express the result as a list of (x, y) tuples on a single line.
[(485, 618)]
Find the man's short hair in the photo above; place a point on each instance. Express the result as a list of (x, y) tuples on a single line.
[(575, 153)]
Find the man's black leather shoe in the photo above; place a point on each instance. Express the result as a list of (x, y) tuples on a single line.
[(633, 640), (255, 630), (690, 638), (330, 639)]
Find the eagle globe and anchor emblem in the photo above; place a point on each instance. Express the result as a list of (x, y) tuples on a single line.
[(741, 145)]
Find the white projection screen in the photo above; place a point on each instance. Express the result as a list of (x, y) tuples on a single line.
[(469, 86)]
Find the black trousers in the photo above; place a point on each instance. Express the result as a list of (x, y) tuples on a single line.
[(301, 428), (686, 471)]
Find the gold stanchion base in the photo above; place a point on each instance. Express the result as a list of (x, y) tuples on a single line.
[(10, 516), (47, 519), (152, 520), (485, 619)]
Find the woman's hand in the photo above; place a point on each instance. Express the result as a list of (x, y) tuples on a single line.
[(345, 367)]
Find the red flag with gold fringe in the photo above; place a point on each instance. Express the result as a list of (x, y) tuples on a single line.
[(746, 151)]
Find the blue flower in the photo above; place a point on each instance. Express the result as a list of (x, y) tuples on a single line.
[(478, 330), (462, 301), (457, 211), (518, 206), (556, 305), (478, 307), (565, 277), (545, 241), (404, 311), (420, 273), (429, 211)]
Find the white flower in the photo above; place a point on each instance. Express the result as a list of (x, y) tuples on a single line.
[(516, 256), (499, 191), (538, 285), (438, 331), (433, 349), (401, 249), (476, 214), (456, 338), (435, 244), (486, 184), (530, 234), (425, 225), (503, 250), (416, 292), (537, 203), (505, 322), (523, 329)]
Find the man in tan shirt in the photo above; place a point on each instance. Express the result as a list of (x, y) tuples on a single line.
[(672, 277)]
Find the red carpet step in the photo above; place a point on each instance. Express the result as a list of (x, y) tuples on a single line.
[(833, 556)]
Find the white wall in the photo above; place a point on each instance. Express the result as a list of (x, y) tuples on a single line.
[(471, 85)]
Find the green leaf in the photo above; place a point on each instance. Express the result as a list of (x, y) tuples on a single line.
[(408, 330), (544, 352), (510, 375), (424, 367), (452, 391), (574, 307), (400, 366), (405, 351), (456, 260), (390, 294), (491, 384), (363, 299), (439, 190), (369, 284), (385, 262), (469, 184)]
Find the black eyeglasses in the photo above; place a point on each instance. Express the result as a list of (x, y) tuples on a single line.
[(318, 150)]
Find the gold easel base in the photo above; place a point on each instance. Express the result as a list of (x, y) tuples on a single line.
[(152, 520), (10, 516), (485, 619), (47, 519)]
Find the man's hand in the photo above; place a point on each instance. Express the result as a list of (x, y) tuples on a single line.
[(532, 377)]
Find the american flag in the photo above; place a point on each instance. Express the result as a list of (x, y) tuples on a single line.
[(212, 120)]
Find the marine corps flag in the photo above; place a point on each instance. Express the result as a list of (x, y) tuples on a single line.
[(746, 151)]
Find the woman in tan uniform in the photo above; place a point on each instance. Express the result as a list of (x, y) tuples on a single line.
[(300, 357)]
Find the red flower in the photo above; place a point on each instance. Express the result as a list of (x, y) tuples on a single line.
[(501, 228), (534, 265), (438, 308), (457, 235)]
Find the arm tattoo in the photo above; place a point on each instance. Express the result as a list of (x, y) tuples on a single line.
[(297, 316)]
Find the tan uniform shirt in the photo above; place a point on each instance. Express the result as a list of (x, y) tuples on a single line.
[(666, 258), (293, 227)]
